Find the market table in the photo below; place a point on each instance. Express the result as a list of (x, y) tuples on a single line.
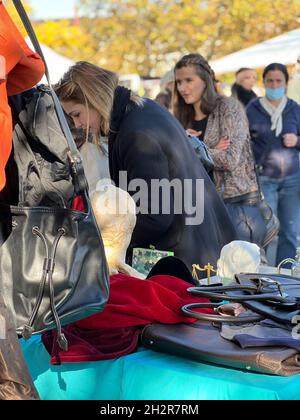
[(149, 375)]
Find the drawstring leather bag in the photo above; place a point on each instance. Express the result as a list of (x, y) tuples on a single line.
[(53, 267), (52, 261)]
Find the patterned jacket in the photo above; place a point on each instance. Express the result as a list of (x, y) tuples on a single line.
[(234, 172)]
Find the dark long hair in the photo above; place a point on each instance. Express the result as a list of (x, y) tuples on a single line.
[(277, 66), (185, 113)]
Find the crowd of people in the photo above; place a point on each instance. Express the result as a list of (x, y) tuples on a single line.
[(253, 141)]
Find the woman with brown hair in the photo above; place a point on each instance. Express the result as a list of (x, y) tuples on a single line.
[(147, 150), (222, 124)]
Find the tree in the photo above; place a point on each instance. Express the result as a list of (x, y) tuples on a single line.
[(146, 35), (67, 39)]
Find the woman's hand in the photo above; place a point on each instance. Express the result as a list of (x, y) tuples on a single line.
[(191, 132), (290, 140), (223, 144)]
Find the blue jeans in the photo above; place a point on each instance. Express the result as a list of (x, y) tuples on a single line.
[(283, 195)]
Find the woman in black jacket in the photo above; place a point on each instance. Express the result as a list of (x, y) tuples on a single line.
[(178, 208)]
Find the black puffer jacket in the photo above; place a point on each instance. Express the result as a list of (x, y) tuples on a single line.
[(150, 144)]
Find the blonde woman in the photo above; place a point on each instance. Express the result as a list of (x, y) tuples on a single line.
[(147, 146)]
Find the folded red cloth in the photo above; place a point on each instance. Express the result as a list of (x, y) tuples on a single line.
[(113, 333), (135, 302)]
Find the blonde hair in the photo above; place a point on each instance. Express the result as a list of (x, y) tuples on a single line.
[(183, 112), (93, 87)]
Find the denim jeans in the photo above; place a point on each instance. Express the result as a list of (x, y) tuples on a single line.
[(283, 195)]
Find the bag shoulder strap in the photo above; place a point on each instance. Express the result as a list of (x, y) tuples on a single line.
[(76, 165)]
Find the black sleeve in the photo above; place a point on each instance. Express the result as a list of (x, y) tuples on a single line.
[(144, 160)]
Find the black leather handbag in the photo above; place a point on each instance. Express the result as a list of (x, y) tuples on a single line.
[(52, 261), (202, 342), (53, 267), (273, 296), (271, 220)]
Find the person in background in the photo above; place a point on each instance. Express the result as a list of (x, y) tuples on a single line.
[(242, 89), (147, 144), (164, 97), (293, 90), (275, 131), (221, 123)]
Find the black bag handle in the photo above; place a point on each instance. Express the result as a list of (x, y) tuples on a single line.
[(220, 293), (243, 319), (77, 171)]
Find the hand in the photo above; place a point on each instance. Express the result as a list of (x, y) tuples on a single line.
[(290, 140), (223, 144), (191, 132)]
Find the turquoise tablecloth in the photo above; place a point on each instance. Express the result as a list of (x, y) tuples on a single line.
[(147, 375)]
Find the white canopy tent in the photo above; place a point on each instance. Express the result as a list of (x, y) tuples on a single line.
[(282, 49), (57, 64)]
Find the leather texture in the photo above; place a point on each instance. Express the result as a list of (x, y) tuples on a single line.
[(283, 312), (44, 247), (273, 296), (270, 219), (15, 380), (202, 342)]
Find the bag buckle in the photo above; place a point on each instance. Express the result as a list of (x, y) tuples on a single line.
[(264, 282)]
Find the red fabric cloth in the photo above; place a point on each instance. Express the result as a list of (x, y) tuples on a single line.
[(78, 204), (113, 333), (92, 345), (135, 302), (23, 68)]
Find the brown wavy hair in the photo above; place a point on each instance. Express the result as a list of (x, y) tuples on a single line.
[(185, 113)]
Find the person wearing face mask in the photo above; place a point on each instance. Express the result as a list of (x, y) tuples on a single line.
[(274, 121)]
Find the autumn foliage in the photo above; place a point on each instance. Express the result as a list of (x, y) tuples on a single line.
[(148, 36)]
